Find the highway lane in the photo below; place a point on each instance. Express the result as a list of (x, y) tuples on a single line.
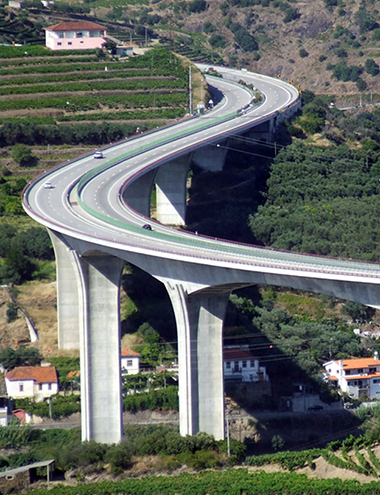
[(53, 208)]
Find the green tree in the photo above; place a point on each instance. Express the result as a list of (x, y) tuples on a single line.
[(11, 312), (23, 356), (16, 267), (372, 67), (22, 154)]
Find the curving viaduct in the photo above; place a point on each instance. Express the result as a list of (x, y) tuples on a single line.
[(94, 213)]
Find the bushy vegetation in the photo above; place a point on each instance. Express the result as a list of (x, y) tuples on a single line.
[(162, 399), (22, 356), (61, 406), (323, 201), (230, 482)]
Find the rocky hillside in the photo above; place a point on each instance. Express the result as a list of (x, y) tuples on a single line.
[(300, 40)]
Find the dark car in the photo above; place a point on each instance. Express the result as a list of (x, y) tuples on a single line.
[(315, 408), (147, 227)]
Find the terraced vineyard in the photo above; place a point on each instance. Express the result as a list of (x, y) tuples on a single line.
[(42, 89)]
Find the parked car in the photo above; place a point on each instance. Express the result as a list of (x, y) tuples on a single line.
[(98, 154), (315, 408)]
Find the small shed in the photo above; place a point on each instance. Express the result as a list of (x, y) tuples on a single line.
[(15, 480)]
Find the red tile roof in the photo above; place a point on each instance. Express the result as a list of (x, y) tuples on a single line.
[(126, 352), (351, 364), (236, 354), (361, 376), (40, 374), (76, 26)]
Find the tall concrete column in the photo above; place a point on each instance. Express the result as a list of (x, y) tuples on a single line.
[(171, 191), (67, 294), (199, 320), (101, 399), (137, 196)]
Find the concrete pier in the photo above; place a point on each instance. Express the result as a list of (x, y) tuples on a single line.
[(101, 398), (199, 320), (171, 191)]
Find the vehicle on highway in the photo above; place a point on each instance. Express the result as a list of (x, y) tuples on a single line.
[(98, 154), (147, 227), (48, 185), (315, 408)]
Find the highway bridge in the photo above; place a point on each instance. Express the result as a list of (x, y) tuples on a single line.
[(94, 212)]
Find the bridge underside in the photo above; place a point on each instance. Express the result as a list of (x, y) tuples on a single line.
[(88, 286), (199, 295)]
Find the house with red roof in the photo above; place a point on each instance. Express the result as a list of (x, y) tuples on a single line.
[(356, 377), (38, 382), (75, 35), (130, 361), (240, 365)]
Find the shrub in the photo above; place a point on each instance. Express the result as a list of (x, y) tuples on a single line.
[(303, 53), (371, 67), (11, 312), (22, 154), (119, 456), (277, 442)]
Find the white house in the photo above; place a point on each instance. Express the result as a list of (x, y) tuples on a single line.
[(75, 35), (38, 382), (240, 365), (130, 361), (356, 377)]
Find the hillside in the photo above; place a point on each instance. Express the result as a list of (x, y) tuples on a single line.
[(301, 41)]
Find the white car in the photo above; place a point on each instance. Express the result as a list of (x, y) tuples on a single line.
[(48, 185), (98, 154)]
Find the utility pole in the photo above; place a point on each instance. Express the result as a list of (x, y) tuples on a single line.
[(190, 97), (228, 437)]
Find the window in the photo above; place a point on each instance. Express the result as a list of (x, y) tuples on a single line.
[(244, 364), (59, 43), (228, 364), (348, 372), (21, 387), (81, 42), (372, 370), (49, 386), (79, 35), (376, 380), (129, 362), (40, 386), (70, 43), (360, 370)]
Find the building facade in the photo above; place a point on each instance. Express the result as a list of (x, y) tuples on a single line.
[(38, 382), (356, 377), (240, 365), (130, 361), (75, 35)]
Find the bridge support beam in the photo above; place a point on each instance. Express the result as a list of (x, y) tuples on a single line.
[(171, 191), (67, 294), (211, 157), (199, 320), (101, 400)]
